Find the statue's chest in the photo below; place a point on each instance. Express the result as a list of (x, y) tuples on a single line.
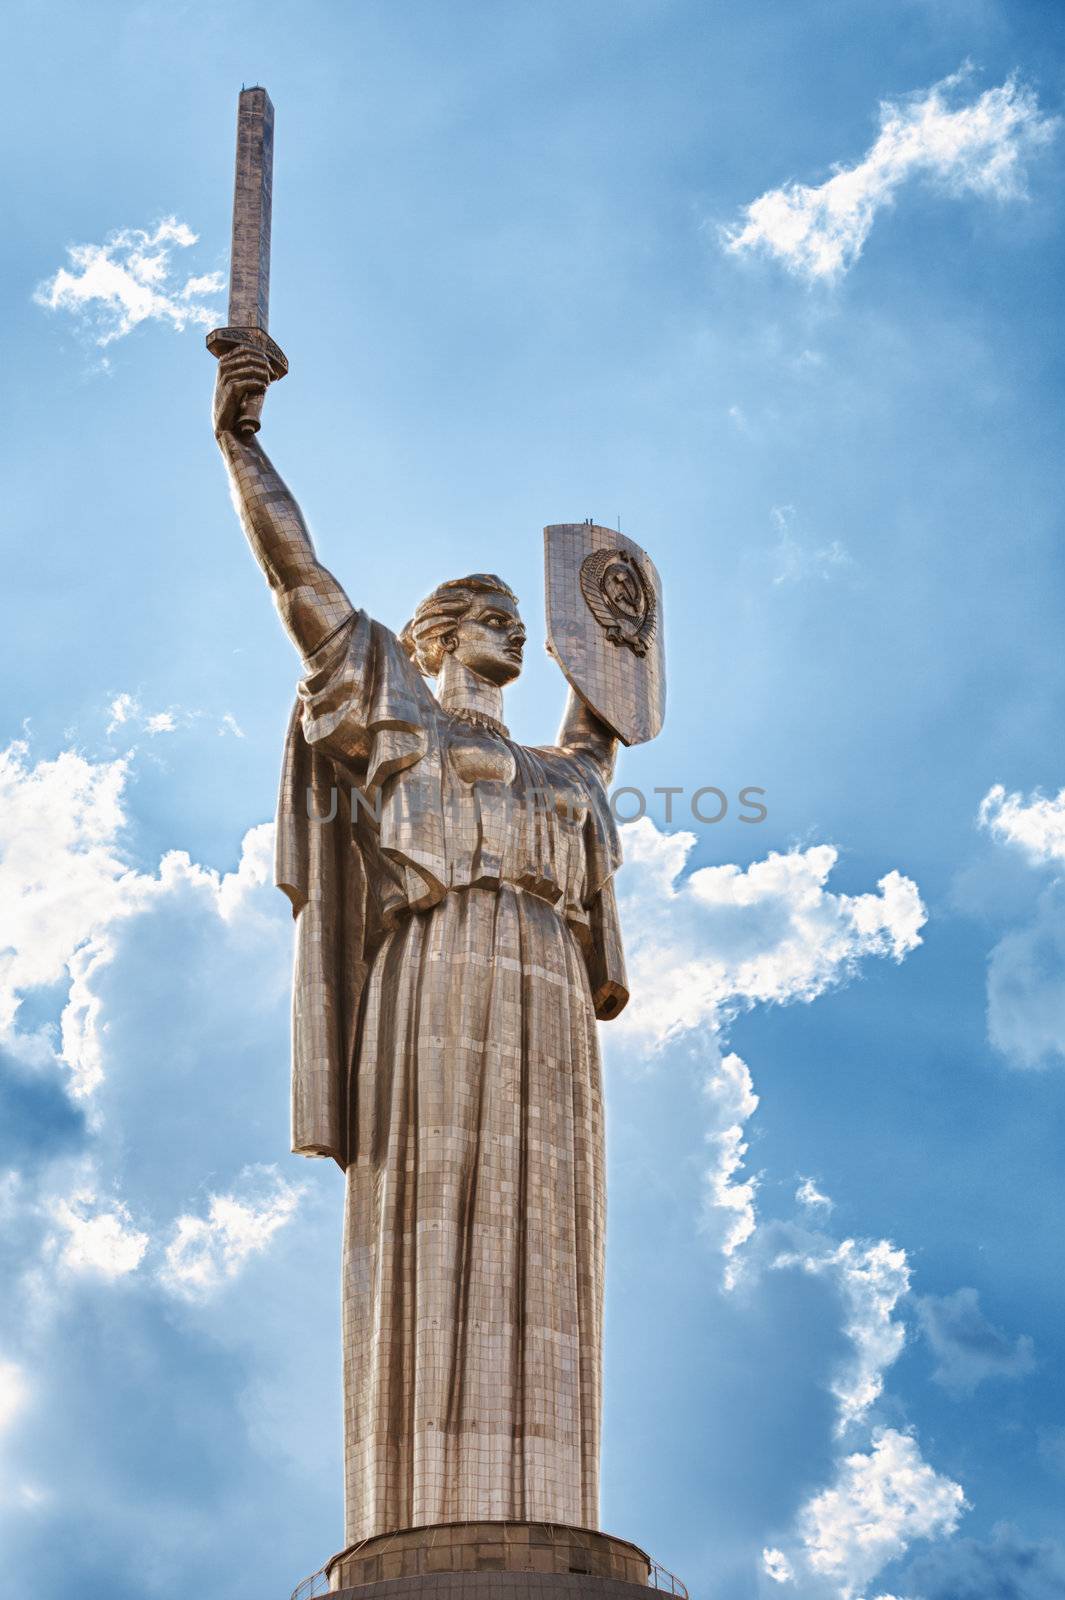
[(478, 756), (511, 816)]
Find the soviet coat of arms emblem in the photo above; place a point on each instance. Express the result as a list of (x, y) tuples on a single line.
[(620, 598)]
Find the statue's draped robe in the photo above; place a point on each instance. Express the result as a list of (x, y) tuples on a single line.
[(456, 937)]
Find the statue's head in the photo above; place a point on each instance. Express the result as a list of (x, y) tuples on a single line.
[(474, 619)]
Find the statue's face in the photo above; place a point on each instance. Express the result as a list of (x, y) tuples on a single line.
[(490, 638)]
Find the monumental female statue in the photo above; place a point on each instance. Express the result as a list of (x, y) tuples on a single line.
[(457, 938)]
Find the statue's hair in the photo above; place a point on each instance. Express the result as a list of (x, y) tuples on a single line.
[(426, 634)]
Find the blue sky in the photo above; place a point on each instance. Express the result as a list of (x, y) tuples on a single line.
[(777, 284)]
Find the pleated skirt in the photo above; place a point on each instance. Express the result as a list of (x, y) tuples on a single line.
[(474, 1225)]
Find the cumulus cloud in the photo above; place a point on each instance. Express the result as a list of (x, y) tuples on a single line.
[(1026, 969), (63, 877), (884, 1496), (871, 1278), (112, 288), (705, 947), (978, 146), (1036, 824), (882, 1501), (777, 1565), (729, 1214), (702, 949), (205, 1251), (66, 886), (170, 1306), (102, 1241), (968, 1348), (809, 1196)]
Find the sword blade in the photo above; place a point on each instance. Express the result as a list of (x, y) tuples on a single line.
[(249, 264)]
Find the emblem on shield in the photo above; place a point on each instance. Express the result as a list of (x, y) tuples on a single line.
[(620, 598), (604, 625)]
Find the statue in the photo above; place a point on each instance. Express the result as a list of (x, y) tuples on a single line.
[(456, 940)]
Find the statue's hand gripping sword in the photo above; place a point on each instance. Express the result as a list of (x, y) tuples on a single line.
[(249, 265)]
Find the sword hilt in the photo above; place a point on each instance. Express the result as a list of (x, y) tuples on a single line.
[(221, 340)]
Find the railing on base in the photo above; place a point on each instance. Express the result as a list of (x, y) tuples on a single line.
[(662, 1578), (316, 1584)]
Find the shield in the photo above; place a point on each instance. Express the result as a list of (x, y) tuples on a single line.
[(604, 625)]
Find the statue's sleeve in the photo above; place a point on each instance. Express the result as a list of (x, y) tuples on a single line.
[(321, 869), (605, 956), (362, 715), (362, 700), (604, 952)]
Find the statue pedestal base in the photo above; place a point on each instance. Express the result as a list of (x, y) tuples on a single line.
[(490, 1561), (496, 1586)]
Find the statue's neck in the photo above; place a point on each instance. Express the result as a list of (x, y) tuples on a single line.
[(467, 694)]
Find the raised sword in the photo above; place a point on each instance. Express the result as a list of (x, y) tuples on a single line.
[(249, 261)]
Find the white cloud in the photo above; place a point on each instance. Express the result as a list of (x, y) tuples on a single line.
[(205, 1251), (128, 714), (1026, 969), (975, 147), (871, 1278), (113, 287), (794, 561), (729, 1213), (705, 947), (702, 949), (810, 1197), (1026, 987), (1037, 824), (126, 711), (968, 1348), (122, 709), (103, 1242), (62, 875), (14, 1392), (65, 887), (725, 938), (149, 971), (778, 1566), (882, 1500)]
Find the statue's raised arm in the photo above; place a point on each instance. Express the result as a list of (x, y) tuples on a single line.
[(311, 602)]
